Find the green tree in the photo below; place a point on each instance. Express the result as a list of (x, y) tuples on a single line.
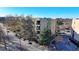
[(59, 22), (45, 37)]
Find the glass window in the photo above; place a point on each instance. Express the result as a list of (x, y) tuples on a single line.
[(38, 27), (38, 23), (38, 32)]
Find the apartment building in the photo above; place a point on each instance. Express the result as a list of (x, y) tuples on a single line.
[(53, 26), (41, 24), (64, 26), (64, 29), (75, 28)]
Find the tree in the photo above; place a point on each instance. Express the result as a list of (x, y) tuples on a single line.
[(59, 22), (3, 38), (45, 37), (13, 23), (28, 28)]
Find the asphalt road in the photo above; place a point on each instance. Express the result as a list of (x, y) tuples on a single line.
[(63, 44)]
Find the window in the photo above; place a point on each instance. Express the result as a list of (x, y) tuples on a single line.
[(38, 23), (68, 31), (38, 27), (37, 37), (38, 32)]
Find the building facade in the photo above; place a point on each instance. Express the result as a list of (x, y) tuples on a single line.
[(41, 24), (64, 26), (75, 28), (53, 26)]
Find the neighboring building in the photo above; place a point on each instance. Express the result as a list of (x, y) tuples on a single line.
[(41, 24), (53, 26), (75, 27), (64, 26)]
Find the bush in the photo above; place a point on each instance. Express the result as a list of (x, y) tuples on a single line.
[(59, 23), (45, 37)]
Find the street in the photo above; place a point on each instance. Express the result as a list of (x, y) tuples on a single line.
[(62, 43)]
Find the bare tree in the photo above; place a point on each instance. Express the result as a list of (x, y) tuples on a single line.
[(2, 38), (28, 28)]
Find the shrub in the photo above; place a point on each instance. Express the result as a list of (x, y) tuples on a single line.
[(45, 37)]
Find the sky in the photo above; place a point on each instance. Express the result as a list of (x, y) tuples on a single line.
[(65, 12)]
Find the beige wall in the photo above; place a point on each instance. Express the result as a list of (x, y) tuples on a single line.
[(43, 24), (53, 26), (75, 27)]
